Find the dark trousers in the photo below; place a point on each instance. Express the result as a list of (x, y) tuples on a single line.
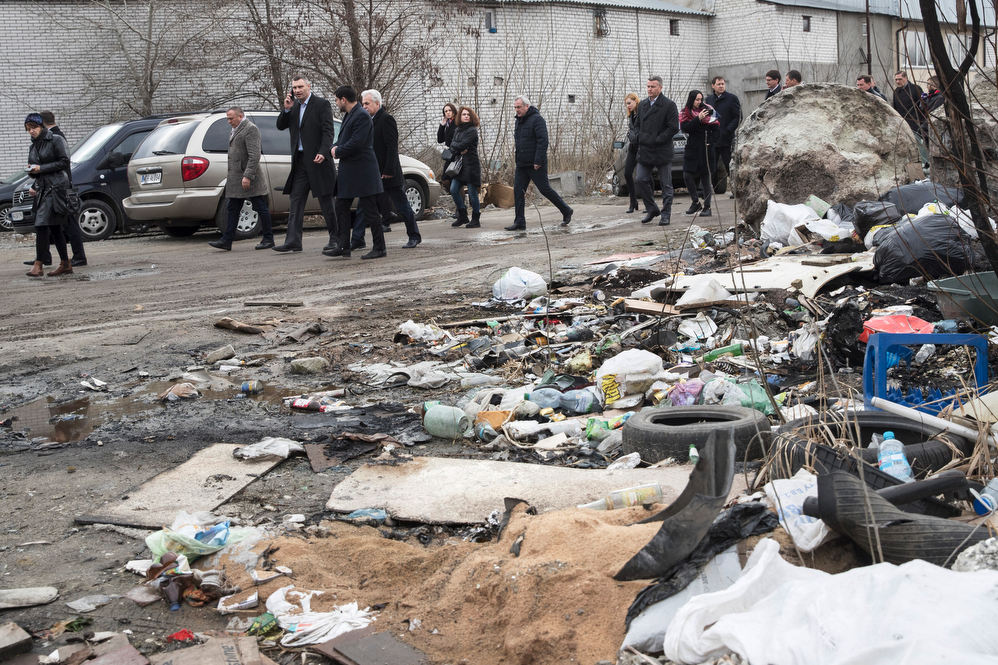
[(397, 196), (374, 221), (72, 229), (646, 187), (42, 236), (235, 206), (300, 188), (690, 179), (724, 157), (629, 164), (526, 175)]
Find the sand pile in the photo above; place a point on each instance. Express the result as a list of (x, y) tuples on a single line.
[(479, 603)]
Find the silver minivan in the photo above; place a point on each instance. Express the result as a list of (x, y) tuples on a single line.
[(177, 175)]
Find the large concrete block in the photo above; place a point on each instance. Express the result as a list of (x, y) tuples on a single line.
[(568, 183)]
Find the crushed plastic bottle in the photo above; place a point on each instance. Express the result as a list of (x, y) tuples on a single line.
[(924, 353), (632, 496), (574, 401), (892, 460)]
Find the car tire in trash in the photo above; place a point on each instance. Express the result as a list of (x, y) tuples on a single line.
[(660, 433), (925, 456)]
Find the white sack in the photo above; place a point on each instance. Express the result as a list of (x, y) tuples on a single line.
[(308, 627), (786, 497), (519, 284), (623, 379), (707, 289), (780, 221), (270, 446), (916, 614)]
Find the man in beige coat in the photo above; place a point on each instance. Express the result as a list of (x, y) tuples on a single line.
[(245, 180)]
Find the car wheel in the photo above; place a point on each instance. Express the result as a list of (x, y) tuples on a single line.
[(618, 189), (247, 226), (5, 223), (179, 231), (417, 197), (97, 220), (660, 433)]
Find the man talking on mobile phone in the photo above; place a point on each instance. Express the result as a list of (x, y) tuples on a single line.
[(309, 119)]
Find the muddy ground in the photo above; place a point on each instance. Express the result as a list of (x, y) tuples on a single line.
[(143, 311)]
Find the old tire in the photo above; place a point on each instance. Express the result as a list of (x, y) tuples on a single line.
[(926, 456), (668, 432)]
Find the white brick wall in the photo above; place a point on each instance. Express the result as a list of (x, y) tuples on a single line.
[(753, 31)]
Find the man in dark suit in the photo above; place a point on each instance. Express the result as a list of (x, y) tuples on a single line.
[(773, 78), (729, 108), (658, 122), (386, 149), (310, 121), (360, 177)]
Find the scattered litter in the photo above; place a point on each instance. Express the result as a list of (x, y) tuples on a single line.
[(307, 627), (269, 447), (88, 603)]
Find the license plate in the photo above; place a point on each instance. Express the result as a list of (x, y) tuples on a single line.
[(150, 178), (16, 216)]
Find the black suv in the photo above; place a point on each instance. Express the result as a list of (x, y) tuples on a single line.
[(100, 173)]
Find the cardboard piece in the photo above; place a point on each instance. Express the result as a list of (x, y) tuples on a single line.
[(13, 640), (215, 651), (500, 195), (456, 491), (127, 655), (378, 649), (204, 482)]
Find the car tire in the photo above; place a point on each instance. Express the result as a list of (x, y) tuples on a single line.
[(5, 222), (179, 231), (618, 188), (416, 194), (98, 220), (248, 225), (660, 433)]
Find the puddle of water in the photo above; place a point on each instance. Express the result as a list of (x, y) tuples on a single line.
[(117, 274)]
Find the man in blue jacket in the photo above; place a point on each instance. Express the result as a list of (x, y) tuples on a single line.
[(531, 138)]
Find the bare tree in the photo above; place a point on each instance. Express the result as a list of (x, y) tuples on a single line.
[(259, 35)]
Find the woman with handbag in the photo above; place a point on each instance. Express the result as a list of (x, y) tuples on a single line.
[(48, 161), (445, 134), (466, 169), (631, 102), (702, 126)]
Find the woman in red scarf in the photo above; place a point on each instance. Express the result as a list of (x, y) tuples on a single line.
[(702, 127)]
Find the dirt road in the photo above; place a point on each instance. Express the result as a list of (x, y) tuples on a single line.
[(143, 311)]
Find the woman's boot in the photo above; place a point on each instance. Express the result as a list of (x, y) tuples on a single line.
[(36, 270), (462, 217), (64, 269), (475, 222)]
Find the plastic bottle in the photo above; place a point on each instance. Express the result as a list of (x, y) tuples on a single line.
[(544, 398), (989, 499), (924, 352), (694, 455), (447, 422), (892, 459), (252, 387), (632, 496), (574, 401), (485, 432), (474, 380), (730, 350)]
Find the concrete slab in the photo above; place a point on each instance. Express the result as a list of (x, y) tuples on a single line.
[(13, 640), (42, 595), (204, 482), (454, 491)]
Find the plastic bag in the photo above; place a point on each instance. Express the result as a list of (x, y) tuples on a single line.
[(519, 284), (181, 538), (826, 229), (786, 497), (686, 392), (308, 627), (911, 198), (706, 289), (874, 213), (841, 215), (756, 397), (421, 332), (699, 327), (781, 220), (268, 447), (803, 342), (623, 379), (722, 391), (933, 246)]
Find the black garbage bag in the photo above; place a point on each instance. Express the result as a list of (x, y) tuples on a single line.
[(873, 213), (933, 246), (909, 199), (845, 213), (841, 338), (735, 524)]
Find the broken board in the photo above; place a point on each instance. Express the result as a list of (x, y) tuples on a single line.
[(204, 482), (454, 491), (779, 272)]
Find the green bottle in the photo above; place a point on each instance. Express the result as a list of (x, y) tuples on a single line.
[(730, 350)]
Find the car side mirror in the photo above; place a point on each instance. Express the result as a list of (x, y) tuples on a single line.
[(116, 159), (618, 145)]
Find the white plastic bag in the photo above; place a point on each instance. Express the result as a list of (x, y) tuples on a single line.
[(268, 447), (519, 284), (421, 332), (786, 497), (826, 229), (623, 379), (781, 220), (916, 613), (706, 289), (308, 627), (699, 327), (722, 391)]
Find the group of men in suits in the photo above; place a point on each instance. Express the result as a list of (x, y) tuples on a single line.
[(367, 149)]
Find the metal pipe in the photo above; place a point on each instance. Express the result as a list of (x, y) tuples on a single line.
[(932, 421)]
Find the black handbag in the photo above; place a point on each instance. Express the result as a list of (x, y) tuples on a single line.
[(453, 169), (446, 155)]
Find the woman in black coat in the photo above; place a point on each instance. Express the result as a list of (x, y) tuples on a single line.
[(702, 126), (48, 160), (465, 147), (631, 102), (445, 134)]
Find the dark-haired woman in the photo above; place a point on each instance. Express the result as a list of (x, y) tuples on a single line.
[(445, 134), (631, 102), (48, 160), (465, 147), (702, 126)]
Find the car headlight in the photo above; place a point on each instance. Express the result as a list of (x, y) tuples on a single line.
[(431, 175)]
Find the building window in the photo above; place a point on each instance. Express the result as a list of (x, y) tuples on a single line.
[(571, 99), (472, 81), (674, 27), (916, 50), (601, 28), (864, 28), (490, 21), (807, 23)]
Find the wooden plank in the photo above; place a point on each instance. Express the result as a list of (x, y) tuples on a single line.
[(646, 307), (274, 303), (204, 482), (712, 303)]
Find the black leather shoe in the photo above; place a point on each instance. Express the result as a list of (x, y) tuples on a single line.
[(412, 243), (218, 244), (375, 254), (345, 253), (566, 221), (706, 213), (694, 207), (650, 216), (387, 228), (76, 263), (357, 245), (264, 244), (330, 245), (31, 263), (632, 209), (664, 222), (516, 227), (286, 248)]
